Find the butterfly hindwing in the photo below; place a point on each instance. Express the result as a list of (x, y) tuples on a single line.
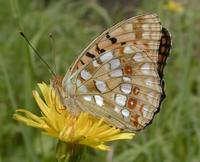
[(119, 75)]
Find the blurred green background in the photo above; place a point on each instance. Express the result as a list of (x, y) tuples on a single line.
[(174, 135)]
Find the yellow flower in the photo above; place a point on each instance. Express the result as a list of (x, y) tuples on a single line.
[(56, 121), (174, 6)]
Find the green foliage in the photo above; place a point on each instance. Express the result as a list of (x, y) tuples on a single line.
[(174, 135)]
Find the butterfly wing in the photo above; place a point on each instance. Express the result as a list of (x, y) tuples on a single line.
[(118, 76), (143, 31)]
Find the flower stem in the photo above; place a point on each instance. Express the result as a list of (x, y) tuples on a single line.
[(68, 152)]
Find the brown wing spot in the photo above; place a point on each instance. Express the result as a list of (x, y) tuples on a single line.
[(123, 43), (107, 35), (137, 26), (113, 40), (141, 108), (162, 50), (134, 119), (138, 35), (102, 50), (132, 103), (146, 44), (82, 62), (88, 54), (128, 70), (98, 49), (123, 60), (121, 51), (136, 90)]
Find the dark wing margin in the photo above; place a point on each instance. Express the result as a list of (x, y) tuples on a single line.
[(164, 50)]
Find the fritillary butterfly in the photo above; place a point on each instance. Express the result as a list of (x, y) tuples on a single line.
[(119, 76)]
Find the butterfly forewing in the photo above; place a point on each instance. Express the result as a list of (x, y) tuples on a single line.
[(142, 31), (119, 75)]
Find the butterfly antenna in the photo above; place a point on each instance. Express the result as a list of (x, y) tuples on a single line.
[(37, 53), (53, 50)]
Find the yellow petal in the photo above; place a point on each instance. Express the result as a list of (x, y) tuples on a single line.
[(58, 122), (43, 107)]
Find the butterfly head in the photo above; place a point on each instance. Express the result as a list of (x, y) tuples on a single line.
[(65, 90), (57, 81), (65, 93)]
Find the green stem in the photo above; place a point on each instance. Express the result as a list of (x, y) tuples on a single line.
[(68, 152)]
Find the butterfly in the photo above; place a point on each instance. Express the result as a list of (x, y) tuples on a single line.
[(119, 75)]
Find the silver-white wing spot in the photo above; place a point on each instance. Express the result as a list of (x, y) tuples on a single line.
[(126, 79), (116, 73), (98, 100), (145, 68), (106, 56), (83, 89), (125, 113), (138, 57), (128, 50), (87, 98), (85, 74), (126, 88), (101, 85), (120, 99), (114, 63)]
